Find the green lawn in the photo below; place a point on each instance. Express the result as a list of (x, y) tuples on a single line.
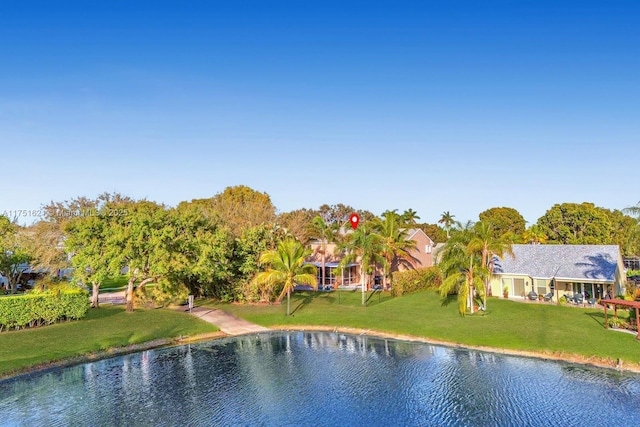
[(114, 284), (105, 328), (506, 324)]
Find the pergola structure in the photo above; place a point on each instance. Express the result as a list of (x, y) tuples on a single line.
[(624, 303)]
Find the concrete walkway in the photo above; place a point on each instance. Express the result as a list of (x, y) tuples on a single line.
[(228, 323)]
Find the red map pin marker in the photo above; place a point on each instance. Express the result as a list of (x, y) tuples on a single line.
[(354, 219)]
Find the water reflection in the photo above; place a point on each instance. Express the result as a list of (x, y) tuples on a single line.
[(320, 379)]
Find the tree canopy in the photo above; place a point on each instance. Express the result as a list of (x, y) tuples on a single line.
[(579, 224), (14, 253), (504, 221), (238, 208)]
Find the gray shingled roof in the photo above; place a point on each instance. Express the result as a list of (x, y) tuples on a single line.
[(574, 262)]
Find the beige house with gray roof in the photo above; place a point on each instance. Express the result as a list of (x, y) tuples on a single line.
[(593, 270)]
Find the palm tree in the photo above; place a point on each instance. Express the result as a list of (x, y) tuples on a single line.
[(534, 235), (484, 242), (461, 270), (393, 236), (287, 268), (447, 220), (365, 245), (633, 211), (410, 216), (325, 233)]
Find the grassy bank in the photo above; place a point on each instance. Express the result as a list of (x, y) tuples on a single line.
[(105, 328), (535, 327)]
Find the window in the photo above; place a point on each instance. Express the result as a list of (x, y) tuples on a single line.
[(427, 249), (541, 286), (506, 284)]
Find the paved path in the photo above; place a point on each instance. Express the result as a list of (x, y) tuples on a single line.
[(227, 323)]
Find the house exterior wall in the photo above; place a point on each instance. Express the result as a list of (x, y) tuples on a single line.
[(563, 286), (517, 285), (422, 255), (316, 253)]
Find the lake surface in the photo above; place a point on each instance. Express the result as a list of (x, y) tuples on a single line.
[(321, 379)]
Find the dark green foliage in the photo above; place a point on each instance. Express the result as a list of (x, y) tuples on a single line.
[(405, 282), (248, 247), (586, 224), (434, 231), (504, 221), (42, 308)]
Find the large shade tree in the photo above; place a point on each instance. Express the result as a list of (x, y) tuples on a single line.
[(14, 252), (238, 208), (577, 224), (632, 241), (504, 222), (286, 268), (297, 223), (88, 242)]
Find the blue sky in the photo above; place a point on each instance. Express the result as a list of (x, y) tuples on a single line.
[(437, 106)]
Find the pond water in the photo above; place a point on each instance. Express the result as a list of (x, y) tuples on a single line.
[(321, 379)]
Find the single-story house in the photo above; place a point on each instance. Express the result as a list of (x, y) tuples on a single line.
[(421, 256), (594, 270)]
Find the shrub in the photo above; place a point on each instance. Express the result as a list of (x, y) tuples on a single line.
[(616, 323), (405, 282), (43, 308)]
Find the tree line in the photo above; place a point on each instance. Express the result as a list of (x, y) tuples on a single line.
[(212, 247)]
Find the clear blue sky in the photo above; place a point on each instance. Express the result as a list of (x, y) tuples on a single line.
[(437, 106)]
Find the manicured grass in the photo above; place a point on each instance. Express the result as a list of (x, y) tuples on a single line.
[(101, 329), (114, 284), (507, 324)]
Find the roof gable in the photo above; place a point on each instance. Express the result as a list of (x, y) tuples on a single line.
[(412, 232)]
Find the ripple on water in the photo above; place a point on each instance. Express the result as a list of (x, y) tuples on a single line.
[(320, 379)]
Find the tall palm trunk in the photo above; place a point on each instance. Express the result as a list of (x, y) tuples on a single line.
[(487, 280), (322, 278), (471, 288), (288, 301), (364, 284)]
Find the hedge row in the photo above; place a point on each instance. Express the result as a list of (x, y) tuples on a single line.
[(30, 310), (405, 282)]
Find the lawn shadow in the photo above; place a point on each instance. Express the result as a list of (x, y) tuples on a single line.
[(380, 297), (597, 317), (307, 298), (448, 300)]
